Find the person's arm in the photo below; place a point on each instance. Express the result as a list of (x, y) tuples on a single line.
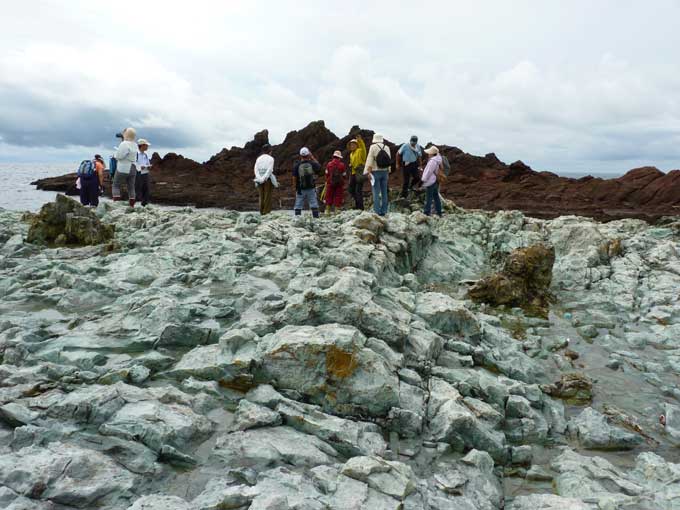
[(362, 150), (122, 151), (370, 160)]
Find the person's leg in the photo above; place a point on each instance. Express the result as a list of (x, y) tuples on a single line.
[(360, 193), (406, 174), (375, 188), (93, 191), (415, 176), (428, 200), (299, 202), (268, 190), (351, 188), (131, 185), (139, 192), (118, 179), (260, 193), (83, 192), (313, 202), (145, 189), (384, 193), (437, 199)]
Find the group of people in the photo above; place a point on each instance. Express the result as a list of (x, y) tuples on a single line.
[(421, 168), (129, 166)]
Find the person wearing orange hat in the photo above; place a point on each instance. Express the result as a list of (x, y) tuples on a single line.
[(335, 183)]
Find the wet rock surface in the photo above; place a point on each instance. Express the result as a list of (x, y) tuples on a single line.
[(222, 360), (482, 182)]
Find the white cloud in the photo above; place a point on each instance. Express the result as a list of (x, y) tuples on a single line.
[(540, 82)]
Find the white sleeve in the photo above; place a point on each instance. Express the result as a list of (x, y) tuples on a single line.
[(122, 151)]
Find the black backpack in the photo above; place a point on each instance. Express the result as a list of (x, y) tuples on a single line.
[(306, 175), (383, 160), (336, 176)]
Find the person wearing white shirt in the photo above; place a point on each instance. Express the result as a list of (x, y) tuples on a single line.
[(265, 180), (126, 157), (143, 165)]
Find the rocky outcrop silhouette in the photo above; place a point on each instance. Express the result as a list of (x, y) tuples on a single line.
[(480, 182)]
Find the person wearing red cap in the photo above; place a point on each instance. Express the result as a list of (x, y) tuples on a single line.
[(335, 183)]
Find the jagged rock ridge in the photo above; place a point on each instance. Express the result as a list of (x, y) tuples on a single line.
[(225, 180)]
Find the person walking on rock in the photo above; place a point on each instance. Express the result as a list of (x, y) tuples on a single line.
[(126, 157), (378, 163), (91, 180), (335, 183), (265, 179), (143, 165), (357, 160), (430, 179), (305, 171), (410, 161)]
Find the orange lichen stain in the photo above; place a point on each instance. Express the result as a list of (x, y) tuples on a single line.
[(339, 363)]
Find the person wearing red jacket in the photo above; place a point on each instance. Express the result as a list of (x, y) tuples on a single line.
[(335, 183)]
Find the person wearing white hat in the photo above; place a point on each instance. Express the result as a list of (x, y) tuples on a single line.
[(430, 181), (126, 157), (305, 171), (335, 183), (143, 165), (378, 165)]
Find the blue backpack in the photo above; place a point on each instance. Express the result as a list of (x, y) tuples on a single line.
[(86, 169), (113, 166)]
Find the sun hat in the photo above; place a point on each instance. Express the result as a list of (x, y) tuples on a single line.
[(432, 151), (143, 141), (377, 138), (337, 154), (304, 152)]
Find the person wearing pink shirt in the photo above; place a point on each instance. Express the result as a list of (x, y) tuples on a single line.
[(430, 181)]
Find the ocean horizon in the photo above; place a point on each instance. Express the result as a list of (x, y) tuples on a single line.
[(18, 194)]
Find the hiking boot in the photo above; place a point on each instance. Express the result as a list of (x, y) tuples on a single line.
[(132, 202)]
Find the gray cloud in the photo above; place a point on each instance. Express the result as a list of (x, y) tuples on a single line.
[(560, 86)]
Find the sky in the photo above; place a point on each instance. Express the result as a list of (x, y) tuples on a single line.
[(578, 86)]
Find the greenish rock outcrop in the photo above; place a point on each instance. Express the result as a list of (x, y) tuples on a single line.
[(65, 222), (217, 359), (524, 281)]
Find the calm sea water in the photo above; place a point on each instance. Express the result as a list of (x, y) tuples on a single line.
[(16, 192)]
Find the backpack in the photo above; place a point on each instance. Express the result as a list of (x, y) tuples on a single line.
[(306, 175), (336, 174), (446, 165), (383, 160), (86, 168), (113, 165)]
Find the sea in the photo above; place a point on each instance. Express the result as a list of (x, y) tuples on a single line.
[(17, 193)]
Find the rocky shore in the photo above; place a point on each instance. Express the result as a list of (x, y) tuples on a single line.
[(477, 182), (212, 360)]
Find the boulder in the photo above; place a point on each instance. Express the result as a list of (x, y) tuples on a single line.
[(66, 475), (593, 432), (524, 281), (331, 366), (66, 222), (574, 388)]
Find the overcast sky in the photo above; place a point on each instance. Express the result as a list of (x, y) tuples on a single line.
[(573, 86)]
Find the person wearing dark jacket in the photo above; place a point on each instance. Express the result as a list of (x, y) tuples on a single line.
[(305, 171)]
